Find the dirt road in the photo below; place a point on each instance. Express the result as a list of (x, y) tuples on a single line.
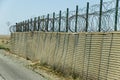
[(11, 70)]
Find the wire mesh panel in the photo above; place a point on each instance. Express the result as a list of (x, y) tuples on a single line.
[(38, 51), (114, 59), (87, 55), (79, 55), (52, 47), (34, 46), (65, 46), (12, 42), (29, 46), (42, 48), (59, 52), (19, 43), (47, 47), (106, 47), (22, 44), (69, 54), (90, 56), (94, 56)]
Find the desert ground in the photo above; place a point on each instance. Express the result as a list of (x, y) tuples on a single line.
[(4, 41)]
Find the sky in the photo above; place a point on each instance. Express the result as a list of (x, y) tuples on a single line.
[(14, 11)]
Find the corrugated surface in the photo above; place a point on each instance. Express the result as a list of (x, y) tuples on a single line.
[(91, 56)]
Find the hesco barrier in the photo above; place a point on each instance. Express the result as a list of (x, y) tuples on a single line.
[(91, 56)]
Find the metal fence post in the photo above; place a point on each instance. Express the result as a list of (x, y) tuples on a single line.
[(116, 14), (47, 24), (43, 23), (16, 27), (38, 23), (87, 12), (59, 20), (35, 24), (53, 22), (67, 19), (76, 18), (28, 26), (100, 15), (23, 26), (31, 28)]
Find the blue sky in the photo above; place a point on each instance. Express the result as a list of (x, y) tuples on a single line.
[(19, 10)]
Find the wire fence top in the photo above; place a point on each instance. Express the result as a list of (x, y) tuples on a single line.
[(103, 17)]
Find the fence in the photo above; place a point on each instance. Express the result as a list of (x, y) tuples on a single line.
[(103, 17), (90, 56)]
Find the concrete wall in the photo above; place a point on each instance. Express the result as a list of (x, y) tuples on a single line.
[(91, 56)]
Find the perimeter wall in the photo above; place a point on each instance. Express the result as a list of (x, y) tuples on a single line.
[(91, 56)]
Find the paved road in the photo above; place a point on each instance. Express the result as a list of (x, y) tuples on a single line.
[(10, 70)]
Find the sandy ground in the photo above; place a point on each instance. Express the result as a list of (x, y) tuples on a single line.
[(5, 41)]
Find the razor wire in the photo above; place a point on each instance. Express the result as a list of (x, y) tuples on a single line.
[(58, 23)]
